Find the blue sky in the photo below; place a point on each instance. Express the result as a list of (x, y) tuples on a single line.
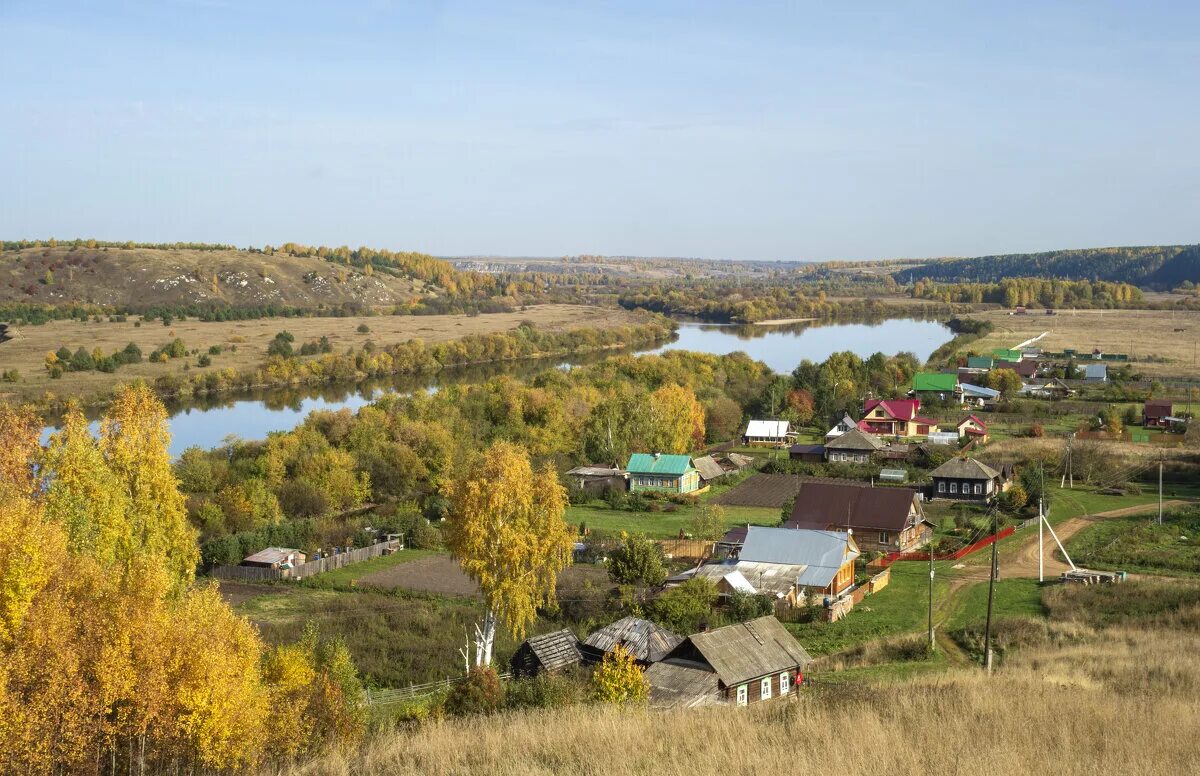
[(723, 130)]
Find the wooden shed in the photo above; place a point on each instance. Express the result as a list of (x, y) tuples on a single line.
[(550, 652), (646, 641)]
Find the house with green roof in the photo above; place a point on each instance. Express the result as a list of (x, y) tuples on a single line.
[(1006, 354), (979, 362), (934, 382), (663, 473)]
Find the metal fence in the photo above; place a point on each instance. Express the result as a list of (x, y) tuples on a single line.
[(312, 567)]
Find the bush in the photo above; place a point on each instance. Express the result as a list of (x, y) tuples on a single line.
[(364, 328), (425, 536), (685, 608), (637, 561), (300, 499), (1036, 430), (545, 691), (480, 693)]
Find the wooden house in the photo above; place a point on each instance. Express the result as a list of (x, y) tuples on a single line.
[(772, 433), (742, 664), (789, 565), (855, 446), (275, 558), (1155, 413), (966, 479), (971, 426), (896, 417), (664, 473), (883, 519), (550, 652), (646, 641), (809, 453)]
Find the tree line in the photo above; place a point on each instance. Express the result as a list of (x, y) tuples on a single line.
[(1031, 291)]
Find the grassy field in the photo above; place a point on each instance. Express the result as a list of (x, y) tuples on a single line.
[(348, 576), (1161, 343), (26, 351), (1139, 544), (660, 525)]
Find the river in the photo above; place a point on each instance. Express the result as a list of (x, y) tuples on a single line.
[(206, 422)]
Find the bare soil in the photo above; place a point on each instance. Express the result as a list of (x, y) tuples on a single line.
[(762, 490), (441, 575), (235, 593)]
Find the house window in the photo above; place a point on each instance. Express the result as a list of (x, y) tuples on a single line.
[(954, 487), (884, 537), (785, 683), (978, 489), (765, 688), (741, 694), (941, 487)]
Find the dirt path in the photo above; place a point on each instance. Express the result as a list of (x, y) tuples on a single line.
[(1025, 562)]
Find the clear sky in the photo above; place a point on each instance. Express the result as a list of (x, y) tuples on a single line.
[(726, 130)]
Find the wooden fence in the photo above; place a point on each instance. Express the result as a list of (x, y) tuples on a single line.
[(402, 694), (312, 567)]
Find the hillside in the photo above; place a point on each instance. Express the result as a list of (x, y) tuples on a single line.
[(144, 277), (1160, 267)]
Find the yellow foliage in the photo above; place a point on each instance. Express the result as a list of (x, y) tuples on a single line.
[(506, 528), (619, 679)]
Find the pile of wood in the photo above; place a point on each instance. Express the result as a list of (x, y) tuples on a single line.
[(1090, 577)]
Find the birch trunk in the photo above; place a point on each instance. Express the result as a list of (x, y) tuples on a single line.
[(485, 639)]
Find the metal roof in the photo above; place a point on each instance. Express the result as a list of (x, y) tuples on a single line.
[(645, 640), (978, 390), (821, 553), (595, 471), (965, 469), (1095, 372), (771, 429), (272, 555), (934, 381), (749, 650), (855, 439), (820, 505), (658, 463)]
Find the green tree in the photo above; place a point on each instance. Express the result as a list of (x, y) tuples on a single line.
[(637, 561)]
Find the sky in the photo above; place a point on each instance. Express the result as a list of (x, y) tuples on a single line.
[(749, 130)]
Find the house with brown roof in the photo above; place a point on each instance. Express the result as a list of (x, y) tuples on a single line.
[(1155, 413), (645, 640), (750, 662), (883, 519), (896, 417), (966, 479), (855, 446), (550, 652)]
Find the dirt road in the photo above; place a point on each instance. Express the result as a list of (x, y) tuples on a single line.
[(1025, 562)]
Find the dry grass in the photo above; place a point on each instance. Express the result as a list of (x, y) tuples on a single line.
[(1068, 702), (1140, 333), (27, 350)]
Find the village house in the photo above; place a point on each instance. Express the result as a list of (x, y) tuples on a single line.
[(883, 519), (766, 432), (1026, 368), (598, 479), (895, 417), (663, 473), (980, 363), (1095, 373), (966, 479), (1006, 354), (644, 640), (971, 426), (841, 427), (855, 446), (1053, 388), (977, 395), (808, 453), (550, 652), (1156, 413), (742, 664), (712, 467), (275, 558)]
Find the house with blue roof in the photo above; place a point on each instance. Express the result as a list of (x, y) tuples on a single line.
[(662, 473)]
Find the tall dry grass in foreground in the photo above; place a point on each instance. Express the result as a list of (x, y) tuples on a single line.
[(1121, 701)]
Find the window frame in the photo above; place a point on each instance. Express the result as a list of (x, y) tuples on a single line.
[(743, 694), (764, 689), (785, 683), (942, 486)]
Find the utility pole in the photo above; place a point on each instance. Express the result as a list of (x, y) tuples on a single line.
[(932, 643), (987, 628), (1041, 554), (1160, 468)]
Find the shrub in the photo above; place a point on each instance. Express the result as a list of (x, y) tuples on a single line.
[(637, 561), (363, 328), (1036, 431), (545, 691), (619, 679), (685, 608), (480, 693)]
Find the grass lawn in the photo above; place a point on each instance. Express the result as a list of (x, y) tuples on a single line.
[(1013, 598), (348, 575), (660, 525), (1084, 500), (1139, 544), (901, 607)]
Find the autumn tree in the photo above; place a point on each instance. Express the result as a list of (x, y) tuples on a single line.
[(505, 526), (678, 419), (619, 679), (1006, 381), (709, 522)]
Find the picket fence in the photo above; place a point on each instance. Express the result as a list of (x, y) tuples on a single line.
[(318, 566)]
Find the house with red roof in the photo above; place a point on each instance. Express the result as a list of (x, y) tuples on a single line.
[(895, 417), (971, 426)]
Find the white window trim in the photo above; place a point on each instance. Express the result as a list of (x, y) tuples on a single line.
[(785, 683), (942, 487), (978, 489), (764, 689), (743, 691), (954, 487)]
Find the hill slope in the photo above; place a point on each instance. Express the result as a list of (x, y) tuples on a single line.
[(1161, 267), (148, 277)]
